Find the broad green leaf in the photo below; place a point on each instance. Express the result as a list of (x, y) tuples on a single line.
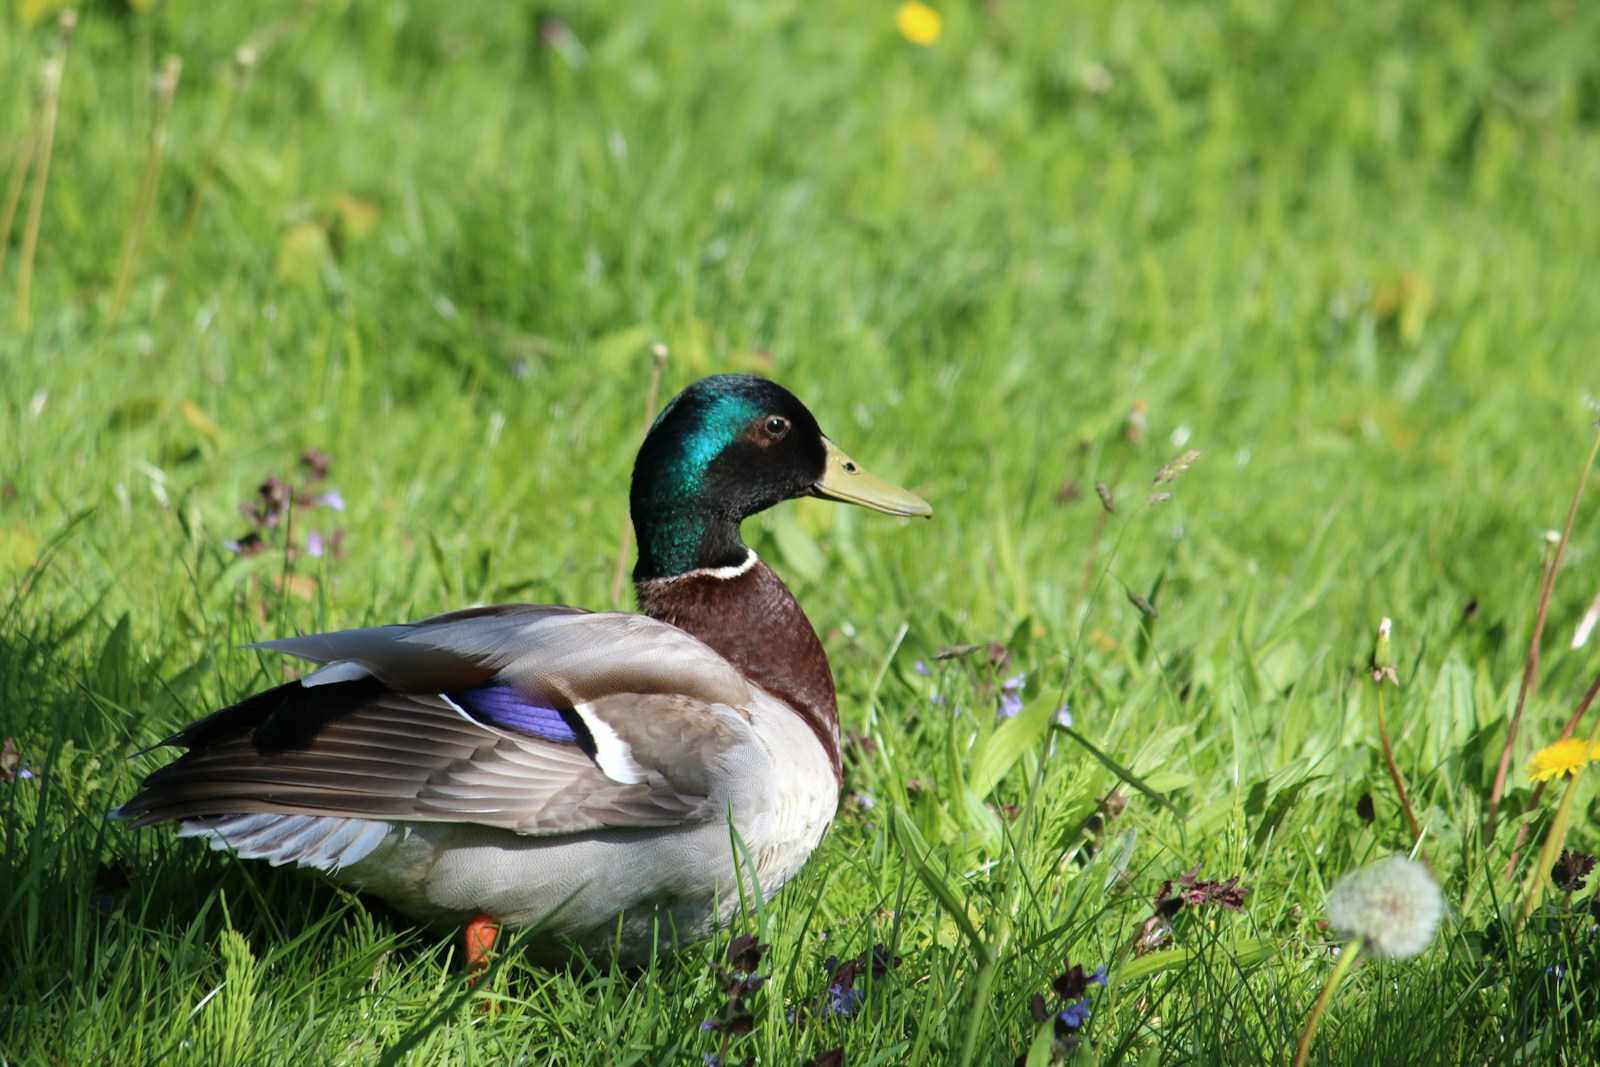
[(1244, 953), (917, 851), (999, 751), (1043, 1044)]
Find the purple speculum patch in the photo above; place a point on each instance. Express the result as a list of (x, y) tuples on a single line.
[(510, 709)]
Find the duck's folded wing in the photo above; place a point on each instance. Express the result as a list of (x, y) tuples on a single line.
[(535, 719)]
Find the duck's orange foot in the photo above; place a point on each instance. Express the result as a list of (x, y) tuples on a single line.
[(481, 934)]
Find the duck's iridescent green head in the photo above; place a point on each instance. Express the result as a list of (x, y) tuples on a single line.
[(727, 447)]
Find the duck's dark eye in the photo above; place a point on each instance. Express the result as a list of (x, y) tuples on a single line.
[(777, 426)]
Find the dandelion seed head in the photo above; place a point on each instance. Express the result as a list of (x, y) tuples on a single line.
[(1393, 907)]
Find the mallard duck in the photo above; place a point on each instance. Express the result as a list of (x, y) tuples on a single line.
[(529, 764)]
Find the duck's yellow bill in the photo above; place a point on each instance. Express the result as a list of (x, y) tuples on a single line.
[(844, 479)]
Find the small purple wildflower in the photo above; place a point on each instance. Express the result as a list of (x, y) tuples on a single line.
[(1073, 1015), (921, 668), (1011, 696), (1064, 716), (708, 1026), (1071, 1009), (13, 766), (270, 507), (842, 996), (709, 1060), (843, 1000), (865, 800)]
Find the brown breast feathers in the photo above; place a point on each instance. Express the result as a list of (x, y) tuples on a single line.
[(755, 624)]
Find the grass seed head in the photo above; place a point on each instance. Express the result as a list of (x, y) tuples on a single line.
[(1104, 492), (1169, 472)]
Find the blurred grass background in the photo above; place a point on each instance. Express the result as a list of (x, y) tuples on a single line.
[(1348, 253)]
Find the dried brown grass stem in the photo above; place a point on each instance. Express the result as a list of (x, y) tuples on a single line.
[(1531, 668)]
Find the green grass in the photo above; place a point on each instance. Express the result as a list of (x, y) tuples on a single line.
[(1346, 251)]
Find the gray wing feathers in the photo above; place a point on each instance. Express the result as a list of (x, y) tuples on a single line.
[(324, 842), (413, 756), (573, 655)]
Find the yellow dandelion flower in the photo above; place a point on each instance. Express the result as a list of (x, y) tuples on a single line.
[(1563, 757), (919, 23)]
